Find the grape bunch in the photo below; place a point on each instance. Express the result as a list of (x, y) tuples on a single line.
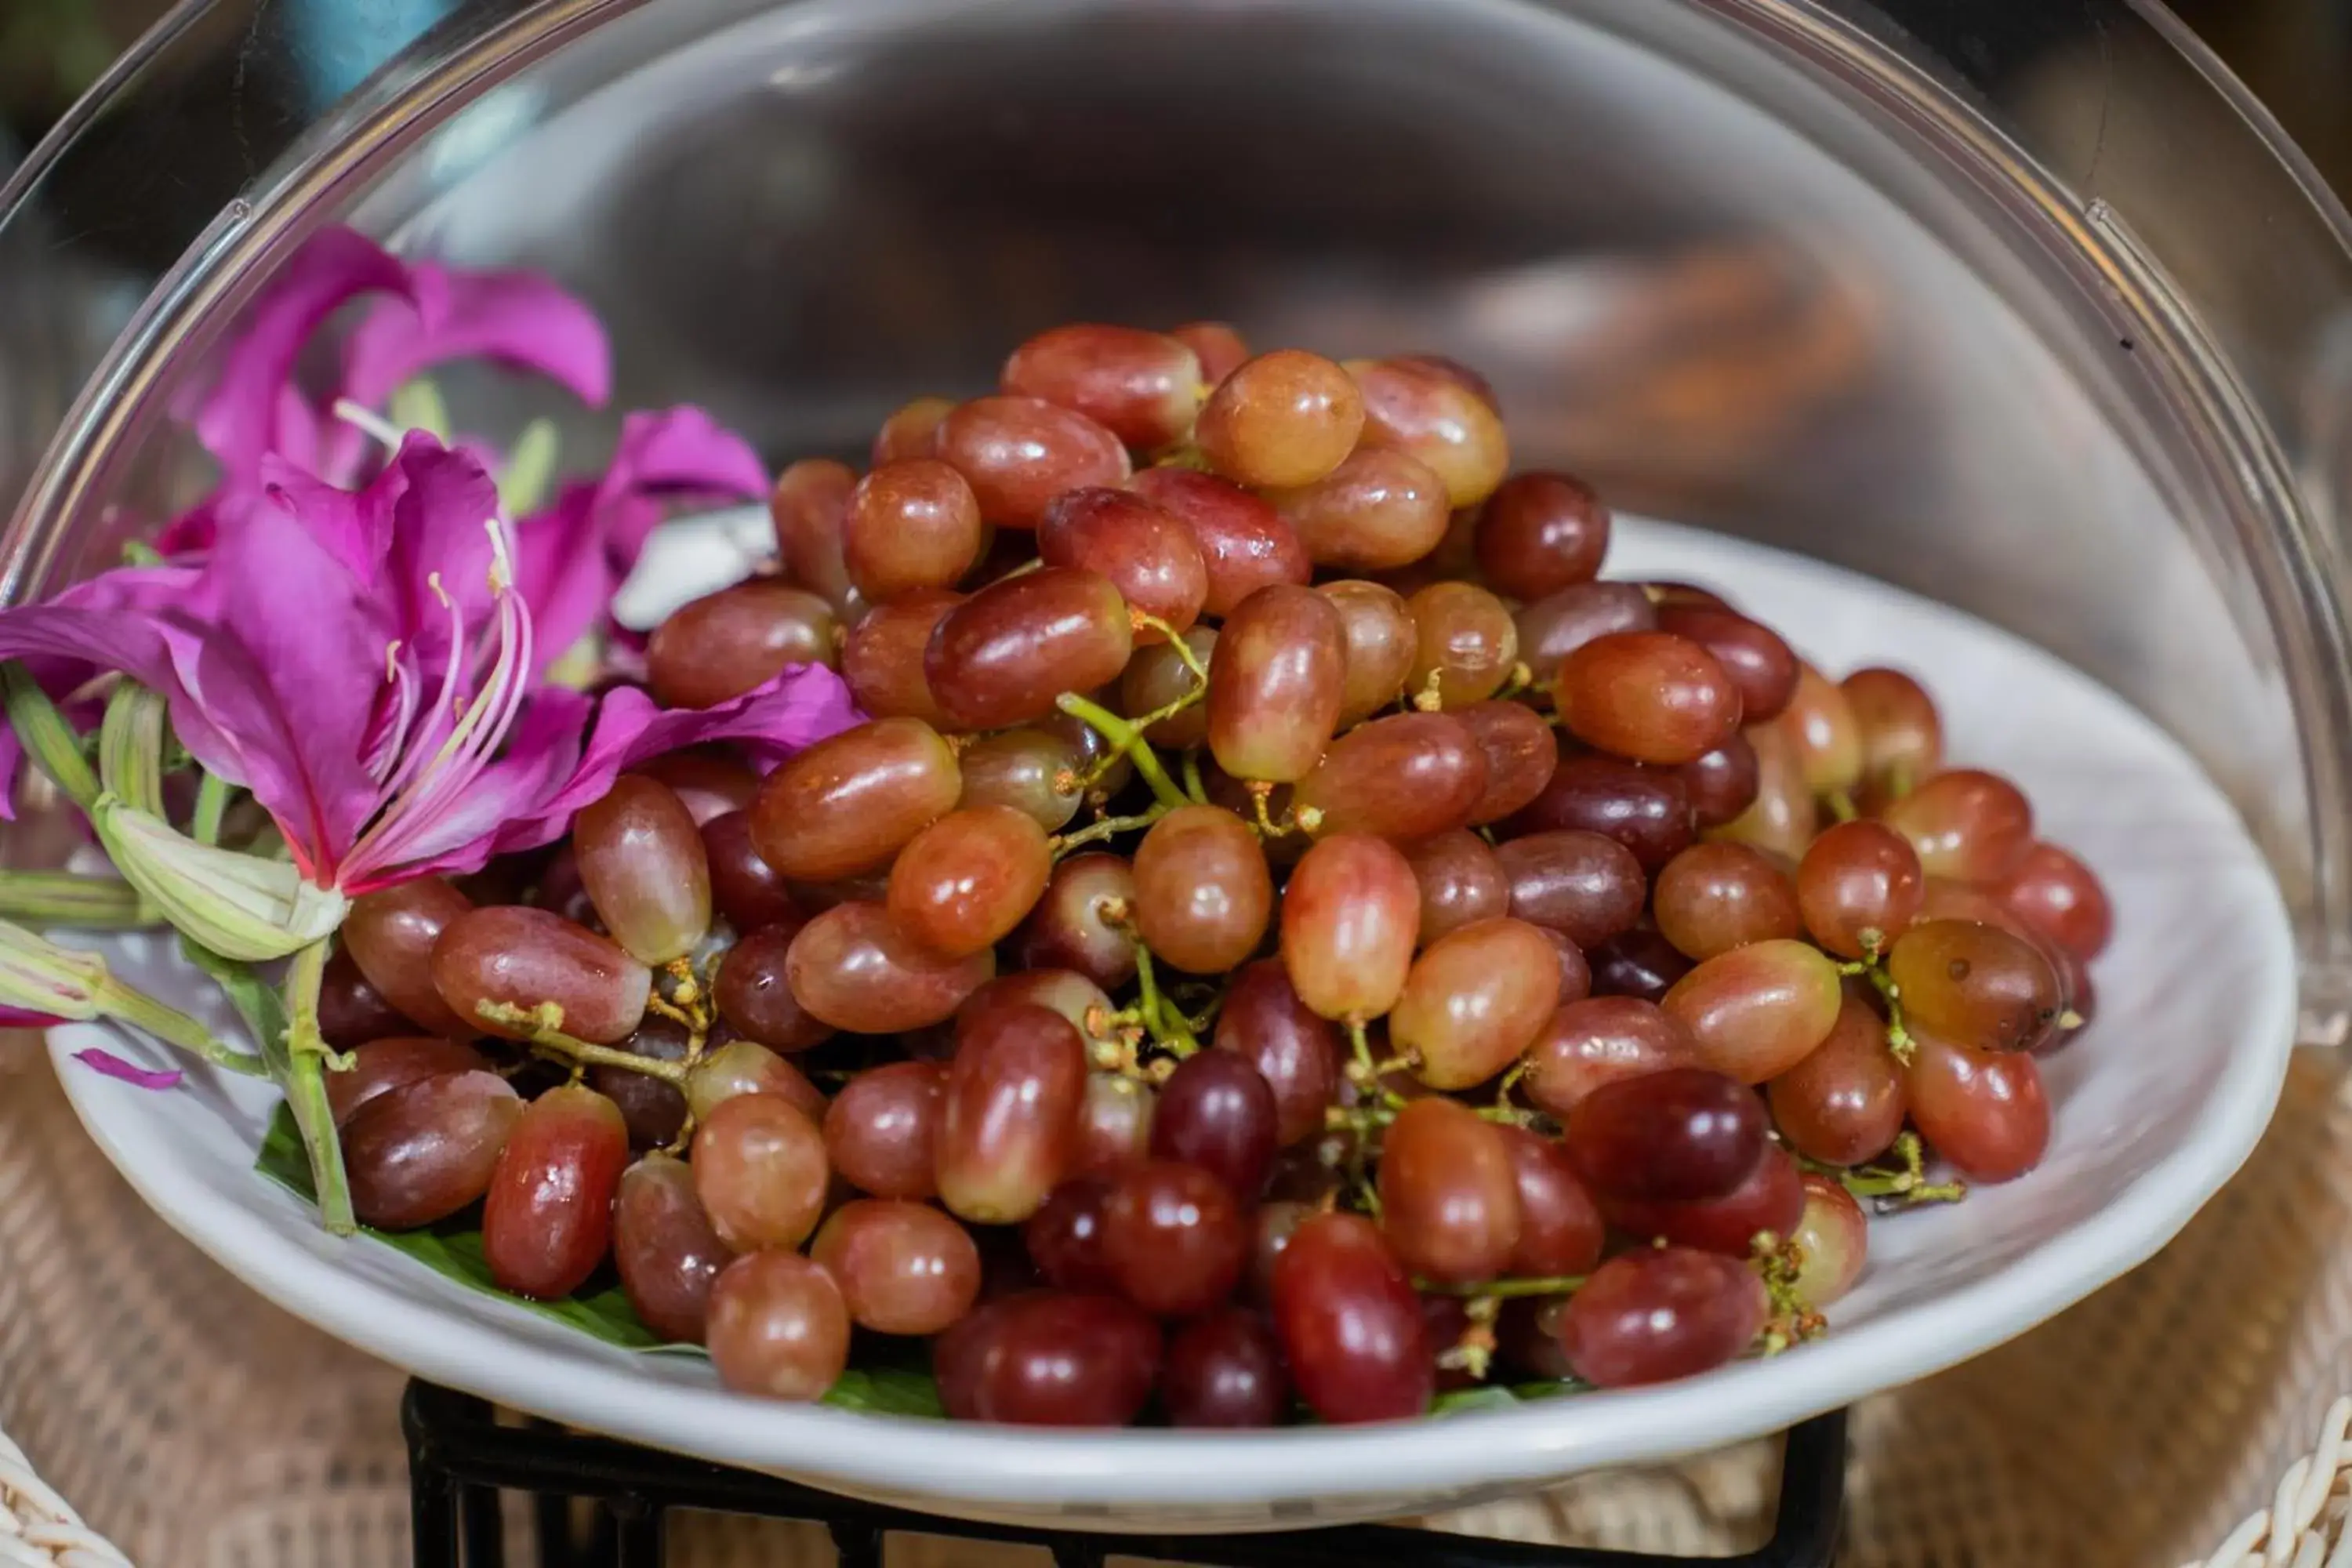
[(1288, 933)]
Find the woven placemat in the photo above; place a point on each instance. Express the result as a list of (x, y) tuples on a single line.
[(197, 1426)]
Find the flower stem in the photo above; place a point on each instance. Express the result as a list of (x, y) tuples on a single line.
[(545, 1023), (47, 739), (1499, 1289), (212, 804), (305, 1082), (61, 897), (130, 747), (133, 1006), (1127, 736)]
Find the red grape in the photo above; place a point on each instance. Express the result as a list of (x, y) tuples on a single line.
[(1833, 1238), (1143, 387), (422, 1152), (911, 525), (1758, 1010), (1032, 771), (1552, 627), (1638, 963), (1657, 1314), (1402, 777), (665, 1248), (740, 1066), (528, 958), (881, 1132), (1002, 656), (1752, 654), (1580, 884), (882, 656), (1381, 641), (351, 1011), (1541, 533), (1019, 453), (1678, 1135), (1467, 643), (807, 506), (1713, 897), (1983, 1111), (760, 1170), (1449, 1192), (1721, 784), (1351, 1325), (1828, 740), (1967, 824), (1859, 878), (1648, 810), (2061, 898), (547, 1219), (849, 803), (1560, 1228), (1770, 1201), (654, 1109), (1283, 418), (746, 889), (1114, 1124), (1009, 1122), (1065, 1236), (778, 1327), (964, 883), (1473, 1000), (381, 1066), (1150, 556), (903, 1268), (1276, 687), (1350, 916), (1224, 1369), (390, 934), (1295, 1051), (736, 640), (1219, 344), (1976, 985), (641, 861), (1244, 544), (853, 968), (1780, 814), (1202, 892), (1216, 1112), (1050, 1360), (1072, 927), (1448, 425), (909, 431), (1901, 735), (1174, 1237), (1649, 697), (1599, 1040), (1843, 1103), (1460, 882), (1377, 511)]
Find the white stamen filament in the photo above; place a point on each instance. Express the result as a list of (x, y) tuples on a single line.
[(370, 423)]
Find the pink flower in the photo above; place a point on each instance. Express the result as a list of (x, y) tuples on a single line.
[(363, 663)]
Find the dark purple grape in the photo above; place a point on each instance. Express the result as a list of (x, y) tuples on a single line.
[(1216, 1112)]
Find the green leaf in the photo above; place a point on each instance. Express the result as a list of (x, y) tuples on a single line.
[(453, 1249), (1495, 1396)]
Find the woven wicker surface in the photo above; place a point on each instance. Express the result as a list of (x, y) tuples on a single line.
[(199, 1427)]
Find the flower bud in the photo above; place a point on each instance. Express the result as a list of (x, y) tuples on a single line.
[(239, 906)]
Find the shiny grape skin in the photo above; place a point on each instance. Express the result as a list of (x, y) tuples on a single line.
[(1771, 1201), (734, 641), (2060, 897), (1575, 973), (1845, 1102), (1648, 697), (1350, 915), (911, 525), (708, 780), (1283, 418), (1858, 877), (747, 892), (525, 958), (1050, 1359), (907, 432), (1758, 1011), (964, 883), (1657, 1314), (1781, 815), (1295, 1051), (759, 1170), (1244, 544), (1647, 810), (1552, 627), (1760, 663), (1713, 897), (1381, 643), (1541, 533), (882, 656), (1560, 1227), (352, 1012), (778, 1327), (742, 1067), (1402, 777), (1460, 882), (1175, 1238), (1068, 929), (1466, 646), (1522, 756), (1150, 556), (851, 802), (1410, 407), (1967, 825), (1032, 771), (547, 1219), (1001, 657), (1473, 1000), (807, 508), (1721, 784), (1276, 688), (1008, 1116), (1833, 1237), (663, 1246), (1144, 388), (654, 1110), (1449, 1192), (1638, 963), (389, 935), (1220, 345), (381, 1066), (1157, 676), (1584, 886), (642, 862), (1678, 1135), (1224, 1371), (1216, 1112), (1114, 1124), (1377, 511), (1976, 986), (1065, 1236), (1063, 991), (881, 1132), (1019, 453), (1828, 740), (1351, 1326), (422, 1152), (1984, 1113), (903, 1268), (1902, 734), (1203, 894), (853, 968), (1598, 1040)]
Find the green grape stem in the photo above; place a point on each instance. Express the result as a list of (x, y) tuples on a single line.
[(1104, 827), (1504, 1289), (1126, 736), (545, 1023)]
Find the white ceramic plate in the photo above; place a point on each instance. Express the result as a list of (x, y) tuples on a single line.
[(2156, 1106)]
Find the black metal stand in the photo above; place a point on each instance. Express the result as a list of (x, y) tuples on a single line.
[(460, 1460)]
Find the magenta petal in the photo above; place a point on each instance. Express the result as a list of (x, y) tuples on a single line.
[(112, 1065), (679, 451), (23, 1018), (519, 319), (242, 416), (562, 572), (800, 707), (543, 754)]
